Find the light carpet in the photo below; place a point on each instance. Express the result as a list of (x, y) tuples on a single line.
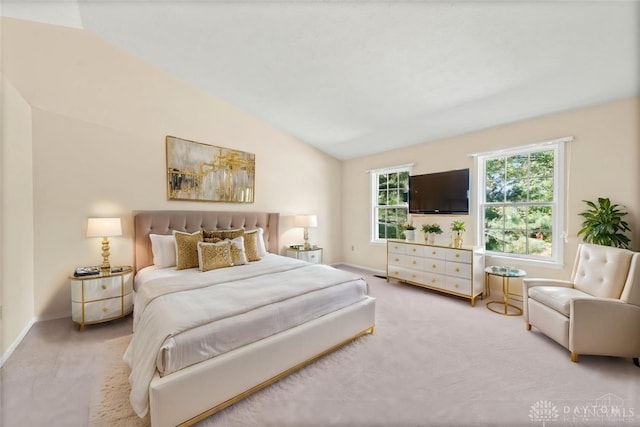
[(433, 360)]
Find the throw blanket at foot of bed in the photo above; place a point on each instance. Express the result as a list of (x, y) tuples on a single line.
[(170, 309)]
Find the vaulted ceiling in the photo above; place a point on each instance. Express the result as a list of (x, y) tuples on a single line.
[(360, 77)]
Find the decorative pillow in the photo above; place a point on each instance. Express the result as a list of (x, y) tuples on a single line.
[(251, 245), (163, 248), (187, 249), (214, 255), (237, 251), (262, 248), (209, 235)]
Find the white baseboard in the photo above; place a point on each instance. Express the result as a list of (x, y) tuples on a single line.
[(372, 270), (16, 342), (26, 330), (54, 316)]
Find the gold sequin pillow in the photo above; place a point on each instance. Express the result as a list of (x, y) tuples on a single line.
[(214, 255), (187, 249), (237, 251), (251, 245), (215, 236)]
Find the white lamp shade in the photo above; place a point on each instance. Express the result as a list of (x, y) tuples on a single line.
[(306, 221), (104, 227)]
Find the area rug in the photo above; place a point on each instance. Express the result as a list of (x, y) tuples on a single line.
[(433, 361), (110, 405)]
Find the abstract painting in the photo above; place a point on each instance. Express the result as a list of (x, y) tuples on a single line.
[(202, 172)]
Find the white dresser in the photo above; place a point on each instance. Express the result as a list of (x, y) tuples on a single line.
[(453, 271), (100, 298)]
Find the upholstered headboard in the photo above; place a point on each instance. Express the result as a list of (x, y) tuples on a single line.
[(164, 222)]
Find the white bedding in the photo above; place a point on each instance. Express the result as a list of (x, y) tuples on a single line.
[(225, 309)]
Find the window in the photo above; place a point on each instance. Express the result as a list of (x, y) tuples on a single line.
[(390, 202), (520, 200)]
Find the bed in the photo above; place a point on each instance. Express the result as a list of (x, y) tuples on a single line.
[(248, 346)]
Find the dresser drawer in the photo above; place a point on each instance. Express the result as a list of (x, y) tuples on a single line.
[(435, 252), (458, 269), (101, 288), (406, 261), (97, 311), (405, 274), (435, 280), (458, 255), (458, 285), (396, 248), (434, 266), (311, 256), (415, 250)]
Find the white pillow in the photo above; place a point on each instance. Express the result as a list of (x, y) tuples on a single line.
[(163, 248), (238, 254), (262, 249)]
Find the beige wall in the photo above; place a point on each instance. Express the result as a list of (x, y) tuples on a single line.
[(99, 121), (17, 239), (604, 161)]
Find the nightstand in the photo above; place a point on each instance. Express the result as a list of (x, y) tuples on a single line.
[(313, 255), (100, 298)]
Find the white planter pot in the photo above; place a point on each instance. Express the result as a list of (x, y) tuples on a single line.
[(410, 235)]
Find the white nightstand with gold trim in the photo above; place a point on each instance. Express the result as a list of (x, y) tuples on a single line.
[(313, 255), (101, 298)]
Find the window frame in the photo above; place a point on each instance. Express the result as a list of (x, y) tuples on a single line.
[(558, 203), (373, 190)]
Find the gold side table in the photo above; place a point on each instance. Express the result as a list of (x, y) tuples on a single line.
[(504, 308)]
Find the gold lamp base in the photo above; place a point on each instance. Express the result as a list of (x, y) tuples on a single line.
[(105, 268)]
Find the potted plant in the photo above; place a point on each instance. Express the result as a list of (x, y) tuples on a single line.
[(604, 224), (409, 231), (458, 227), (430, 231)]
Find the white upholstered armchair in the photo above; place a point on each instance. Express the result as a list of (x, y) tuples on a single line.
[(597, 312)]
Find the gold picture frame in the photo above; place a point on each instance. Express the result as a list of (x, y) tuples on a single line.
[(208, 173)]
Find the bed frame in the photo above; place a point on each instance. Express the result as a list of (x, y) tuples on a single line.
[(198, 391)]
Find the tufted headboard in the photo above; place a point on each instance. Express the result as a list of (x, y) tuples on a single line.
[(164, 222)]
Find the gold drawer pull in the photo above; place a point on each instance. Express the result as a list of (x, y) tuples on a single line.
[(433, 266), (456, 286), (457, 269), (414, 249), (457, 255), (433, 280), (414, 261), (105, 309), (414, 276), (104, 287), (397, 259), (433, 253), (395, 272)]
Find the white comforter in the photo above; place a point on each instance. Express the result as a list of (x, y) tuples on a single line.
[(163, 310)]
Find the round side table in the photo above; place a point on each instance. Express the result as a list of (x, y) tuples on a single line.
[(504, 308)]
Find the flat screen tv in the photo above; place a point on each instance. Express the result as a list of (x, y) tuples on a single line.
[(440, 193)]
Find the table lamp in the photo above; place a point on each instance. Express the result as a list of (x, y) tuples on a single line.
[(306, 221), (105, 228)]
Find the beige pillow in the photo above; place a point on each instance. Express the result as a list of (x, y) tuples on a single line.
[(214, 255), (237, 251), (211, 235), (187, 249), (251, 245)]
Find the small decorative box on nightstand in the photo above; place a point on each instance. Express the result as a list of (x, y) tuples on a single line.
[(313, 255), (100, 297)]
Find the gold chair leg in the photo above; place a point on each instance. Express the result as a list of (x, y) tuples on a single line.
[(528, 326), (574, 357)]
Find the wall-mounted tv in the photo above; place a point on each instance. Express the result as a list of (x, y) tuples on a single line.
[(440, 193)]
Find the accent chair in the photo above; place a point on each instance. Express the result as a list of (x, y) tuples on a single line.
[(597, 312)]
